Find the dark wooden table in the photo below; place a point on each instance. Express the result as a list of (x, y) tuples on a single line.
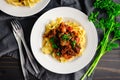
[(107, 69)]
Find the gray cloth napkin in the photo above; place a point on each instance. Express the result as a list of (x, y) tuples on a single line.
[(8, 44)]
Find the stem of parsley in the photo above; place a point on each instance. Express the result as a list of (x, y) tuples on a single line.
[(109, 26)]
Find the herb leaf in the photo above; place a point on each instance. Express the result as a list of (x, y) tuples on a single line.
[(73, 43), (66, 36), (111, 46), (52, 40), (58, 53)]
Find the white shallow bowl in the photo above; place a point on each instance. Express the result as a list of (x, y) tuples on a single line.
[(52, 64), (22, 11)]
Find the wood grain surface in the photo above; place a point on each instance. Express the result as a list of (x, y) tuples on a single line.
[(107, 69), (10, 69)]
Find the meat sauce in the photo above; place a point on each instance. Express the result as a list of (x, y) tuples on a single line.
[(64, 41)]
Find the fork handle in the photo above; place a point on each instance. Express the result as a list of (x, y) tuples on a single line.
[(30, 57), (22, 60)]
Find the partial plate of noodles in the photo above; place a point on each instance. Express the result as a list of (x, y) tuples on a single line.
[(22, 8), (63, 40)]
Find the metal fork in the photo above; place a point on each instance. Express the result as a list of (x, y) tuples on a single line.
[(22, 59), (17, 27)]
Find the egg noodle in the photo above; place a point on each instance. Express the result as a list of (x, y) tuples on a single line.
[(80, 40), (29, 3)]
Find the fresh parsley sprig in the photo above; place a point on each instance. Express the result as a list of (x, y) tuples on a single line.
[(110, 28)]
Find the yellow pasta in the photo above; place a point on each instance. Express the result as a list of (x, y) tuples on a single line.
[(47, 47), (29, 3)]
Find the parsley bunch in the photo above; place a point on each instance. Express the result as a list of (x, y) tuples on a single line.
[(110, 27)]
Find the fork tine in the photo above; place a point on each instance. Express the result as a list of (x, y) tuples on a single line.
[(13, 25), (18, 25)]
